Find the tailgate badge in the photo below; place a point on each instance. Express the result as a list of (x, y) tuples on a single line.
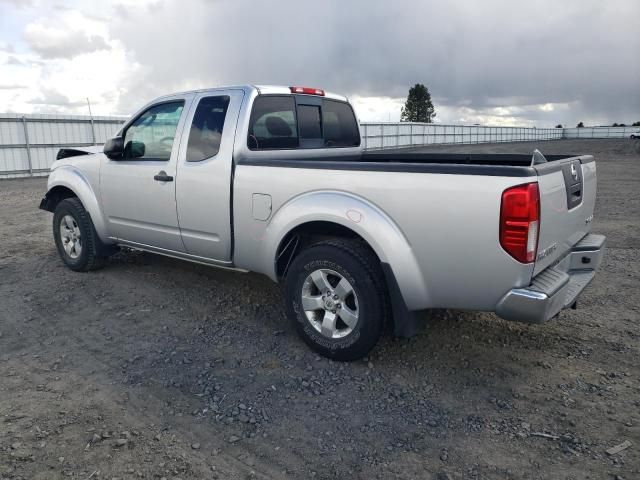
[(588, 220), (547, 251)]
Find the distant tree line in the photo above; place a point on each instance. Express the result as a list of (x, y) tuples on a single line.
[(419, 108), (634, 124), (581, 125)]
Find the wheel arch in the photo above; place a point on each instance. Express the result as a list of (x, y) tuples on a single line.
[(345, 214), (55, 195), (67, 182), (307, 234)]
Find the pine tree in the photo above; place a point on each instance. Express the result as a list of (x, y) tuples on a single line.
[(418, 107)]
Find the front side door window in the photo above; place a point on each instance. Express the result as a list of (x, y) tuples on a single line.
[(151, 135), (140, 206)]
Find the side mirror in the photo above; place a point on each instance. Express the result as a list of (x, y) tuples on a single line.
[(136, 149), (114, 148)]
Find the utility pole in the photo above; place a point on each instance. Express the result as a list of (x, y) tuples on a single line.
[(93, 129)]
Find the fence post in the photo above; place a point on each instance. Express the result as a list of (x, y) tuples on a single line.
[(93, 131), (26, 143), (366, 140)]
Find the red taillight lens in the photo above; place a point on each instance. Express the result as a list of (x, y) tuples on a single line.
[(307, 91), (520, 221)]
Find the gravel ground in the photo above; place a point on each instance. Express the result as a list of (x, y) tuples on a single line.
[(153, 368)]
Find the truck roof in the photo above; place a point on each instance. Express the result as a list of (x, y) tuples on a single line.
[(261, 89)]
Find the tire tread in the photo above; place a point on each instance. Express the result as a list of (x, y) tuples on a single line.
[(372, 273), (93, 260)]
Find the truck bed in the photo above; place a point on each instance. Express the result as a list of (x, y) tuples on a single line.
[(504, 159), (507, 165)]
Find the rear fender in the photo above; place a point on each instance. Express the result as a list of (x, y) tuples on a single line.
[(363, 218)]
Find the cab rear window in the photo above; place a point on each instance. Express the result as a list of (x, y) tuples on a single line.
[(277, 122)]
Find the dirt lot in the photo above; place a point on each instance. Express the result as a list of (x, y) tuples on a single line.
[(152, 368)]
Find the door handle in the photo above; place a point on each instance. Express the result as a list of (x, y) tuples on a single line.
[(163, 177)]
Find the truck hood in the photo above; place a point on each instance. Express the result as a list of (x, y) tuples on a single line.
[(77, 151)]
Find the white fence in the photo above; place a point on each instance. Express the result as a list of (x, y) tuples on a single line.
[(403, 134), (29, 143), (600, 132)]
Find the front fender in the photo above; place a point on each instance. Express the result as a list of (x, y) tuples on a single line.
[(72, 178), (360, 216)]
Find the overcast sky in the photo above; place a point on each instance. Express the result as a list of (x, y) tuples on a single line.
[(493, 62)]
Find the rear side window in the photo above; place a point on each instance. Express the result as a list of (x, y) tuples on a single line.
[(206, 128), (340, 125), (273, 123), (277, 123)]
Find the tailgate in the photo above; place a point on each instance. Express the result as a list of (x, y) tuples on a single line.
[(567, 200)]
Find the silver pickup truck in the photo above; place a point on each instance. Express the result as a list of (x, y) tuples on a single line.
[(274, 180)]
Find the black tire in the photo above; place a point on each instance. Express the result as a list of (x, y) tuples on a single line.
[(88, 258), (356, 263)]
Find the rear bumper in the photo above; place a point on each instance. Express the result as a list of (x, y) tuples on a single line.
[(557, 287)]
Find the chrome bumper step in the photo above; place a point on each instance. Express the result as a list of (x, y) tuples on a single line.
[(557, 287)]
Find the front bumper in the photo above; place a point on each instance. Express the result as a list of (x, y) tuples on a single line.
[(557, 287)]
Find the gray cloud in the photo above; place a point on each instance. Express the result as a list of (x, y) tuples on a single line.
[(473, 54), (7, 47), (489, 59), (12, 60), (18, 3), (50, 45), (53, 98)]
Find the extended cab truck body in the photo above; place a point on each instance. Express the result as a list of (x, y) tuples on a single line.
[(274, 180)]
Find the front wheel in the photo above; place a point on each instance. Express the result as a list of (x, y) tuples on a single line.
[(75, 236), (336, 298)]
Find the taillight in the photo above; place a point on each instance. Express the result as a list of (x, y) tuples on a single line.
[(307, 91), (520, 221)]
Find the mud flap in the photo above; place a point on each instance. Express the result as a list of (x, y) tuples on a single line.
[(404, 320)]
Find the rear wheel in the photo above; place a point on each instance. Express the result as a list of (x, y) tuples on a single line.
[(75, 236), (336, 298)]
